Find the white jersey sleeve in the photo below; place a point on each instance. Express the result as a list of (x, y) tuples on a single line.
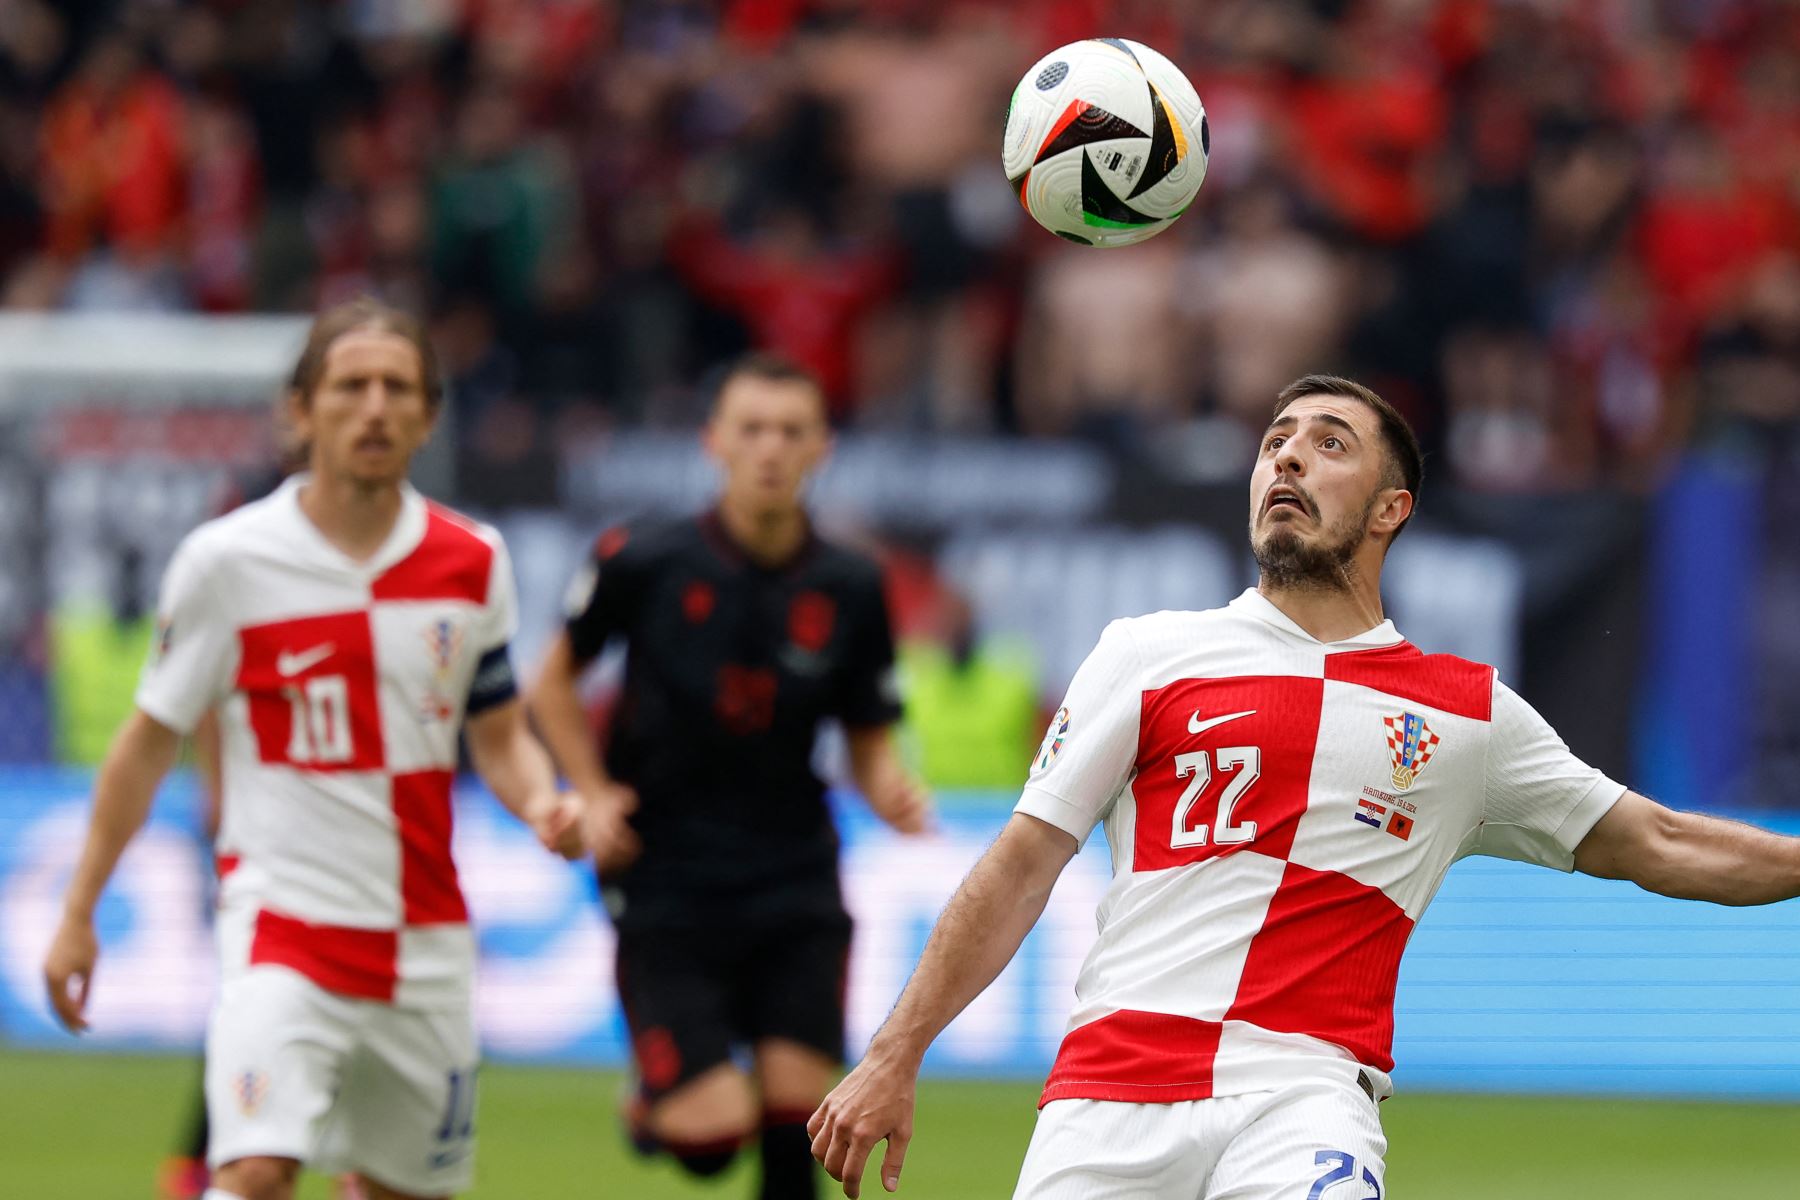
[(1540, 799), (500, 618), (194, 652), (1087, 756)]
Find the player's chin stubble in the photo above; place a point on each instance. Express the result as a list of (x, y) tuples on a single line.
[(1292, 563)]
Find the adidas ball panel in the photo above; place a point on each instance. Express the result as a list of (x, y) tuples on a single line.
[(1105, 142)]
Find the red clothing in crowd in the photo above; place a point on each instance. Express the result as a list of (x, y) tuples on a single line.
[(1366, 144), (806, 306), (113, 167)]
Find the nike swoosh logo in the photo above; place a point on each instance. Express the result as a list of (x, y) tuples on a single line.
[(1196, 725), (293, 664)]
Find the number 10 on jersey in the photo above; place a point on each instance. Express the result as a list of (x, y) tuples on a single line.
[(319, 720)]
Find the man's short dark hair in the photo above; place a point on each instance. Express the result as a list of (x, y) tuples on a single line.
[(364, 312), (1405, 461), (769, 367)]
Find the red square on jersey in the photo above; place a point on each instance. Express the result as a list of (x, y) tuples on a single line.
[(423, 817), (450, 563), (1326, 962), (311, 687), (348, 961), (1223, 765)]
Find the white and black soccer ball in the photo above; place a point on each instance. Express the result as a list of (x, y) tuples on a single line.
[(1106, 142)]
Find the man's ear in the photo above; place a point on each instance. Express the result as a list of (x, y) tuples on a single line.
[(1392, 510)]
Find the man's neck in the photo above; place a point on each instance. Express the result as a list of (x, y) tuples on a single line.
[(768, 538), (1327, 613), (353, 516)]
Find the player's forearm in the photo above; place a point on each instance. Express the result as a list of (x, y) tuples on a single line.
[(1725, 862), (509, 760), (977, 935), (135, 764), (875, 766), (565, 731), (556, 709)]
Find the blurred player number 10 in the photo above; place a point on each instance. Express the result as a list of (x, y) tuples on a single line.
[(1106, 142), (319, 720)]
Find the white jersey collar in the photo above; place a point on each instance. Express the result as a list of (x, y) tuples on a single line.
[(402, 540), (1254, 604)]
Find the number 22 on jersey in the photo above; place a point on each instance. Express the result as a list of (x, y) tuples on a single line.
[(1245, 764), (1223, 767)]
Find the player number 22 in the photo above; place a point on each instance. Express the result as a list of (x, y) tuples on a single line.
[(1245, 764), (1343, 1166), (319, 720)]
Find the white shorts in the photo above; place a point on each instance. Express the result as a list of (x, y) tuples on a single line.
[(294, 1071), (1308, 1141)]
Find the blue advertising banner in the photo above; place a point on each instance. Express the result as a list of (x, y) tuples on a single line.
[(1519, 979)]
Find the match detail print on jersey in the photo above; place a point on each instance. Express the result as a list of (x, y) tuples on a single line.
[(1275, 836)]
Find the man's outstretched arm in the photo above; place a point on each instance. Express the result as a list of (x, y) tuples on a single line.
[(1690, 856), (975, 937)]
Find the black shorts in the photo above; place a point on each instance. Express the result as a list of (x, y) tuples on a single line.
[(691, 995)]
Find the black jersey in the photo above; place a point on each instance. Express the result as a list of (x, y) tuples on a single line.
[(730, 667)]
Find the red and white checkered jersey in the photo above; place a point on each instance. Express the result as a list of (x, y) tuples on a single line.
[(340, 688), (1280, 812)]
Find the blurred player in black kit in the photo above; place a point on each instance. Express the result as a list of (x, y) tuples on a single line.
[(716, 851)]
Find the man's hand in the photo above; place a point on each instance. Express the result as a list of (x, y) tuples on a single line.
[(68, 969), (891, 790), (903, 803), (976, 935), (606, 827), (875, 1101), (140, 755), (556, 819)]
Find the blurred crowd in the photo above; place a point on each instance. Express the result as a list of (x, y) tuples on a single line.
[(1564, 236)]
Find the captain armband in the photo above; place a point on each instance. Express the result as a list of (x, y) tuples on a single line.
[(494, 683)]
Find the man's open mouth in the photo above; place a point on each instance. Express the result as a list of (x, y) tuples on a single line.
[(1285, 497)]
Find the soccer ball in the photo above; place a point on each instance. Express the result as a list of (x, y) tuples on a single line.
[(1106, 142)]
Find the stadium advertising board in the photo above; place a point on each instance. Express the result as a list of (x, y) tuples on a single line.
[(1519, 979)]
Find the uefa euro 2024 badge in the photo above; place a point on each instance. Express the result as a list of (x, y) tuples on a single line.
[(1053, 741)]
